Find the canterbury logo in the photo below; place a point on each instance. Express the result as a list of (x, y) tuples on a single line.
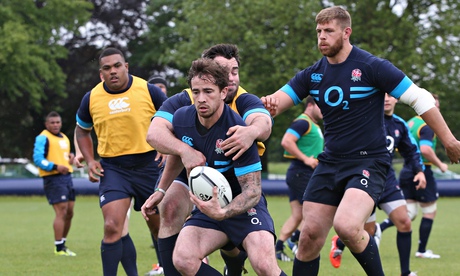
[(119, 105), (316, 77), (187, 140)]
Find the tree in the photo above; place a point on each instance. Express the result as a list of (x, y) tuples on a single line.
[(31, 47), (277, 39)]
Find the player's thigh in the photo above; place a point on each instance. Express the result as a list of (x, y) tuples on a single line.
[(115, 212), (317, 219), (257, 242), (354, 209), (198, 242), (176, 202)]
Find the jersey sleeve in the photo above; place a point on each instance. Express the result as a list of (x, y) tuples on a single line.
[(249, 161), (40, 152), (409, 150), (158, 97), (389, 78), (426, 136), (298, 128), (248, 104), (172, 104), (84, 119)]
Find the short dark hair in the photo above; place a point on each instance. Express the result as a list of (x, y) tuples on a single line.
[(52, 114), (157, 79), (334, 13), (206, 68), (110, 51), (227, 51)]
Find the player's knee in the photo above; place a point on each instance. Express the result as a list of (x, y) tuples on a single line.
[(264, 266), (403, 224), (183, 264), (412, 210), (111, 229)]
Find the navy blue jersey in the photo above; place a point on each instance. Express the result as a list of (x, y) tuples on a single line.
[(244, 104), (399, 137), (186, 128), (351, 98)]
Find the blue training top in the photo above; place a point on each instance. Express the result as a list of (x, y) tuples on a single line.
[(187, 128), (351, 97)]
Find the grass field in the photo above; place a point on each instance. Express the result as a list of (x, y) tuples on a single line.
[(27, 241)]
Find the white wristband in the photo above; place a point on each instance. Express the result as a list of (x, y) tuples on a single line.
[(160, 190)]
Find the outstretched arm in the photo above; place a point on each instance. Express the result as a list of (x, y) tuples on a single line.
[(171, 170), (434, 119), (277, 102), (161, 136), (258, 128)]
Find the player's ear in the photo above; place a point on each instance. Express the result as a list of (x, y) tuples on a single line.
[(223, 93)]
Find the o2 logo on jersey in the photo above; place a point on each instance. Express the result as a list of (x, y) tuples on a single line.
[(334, 95), (390, 143)]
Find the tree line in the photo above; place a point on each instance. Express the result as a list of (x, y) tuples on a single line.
[(50, 50)]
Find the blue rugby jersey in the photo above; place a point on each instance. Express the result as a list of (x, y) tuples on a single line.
[(399, 137), (185, 127), (351, 98), (244, 104)]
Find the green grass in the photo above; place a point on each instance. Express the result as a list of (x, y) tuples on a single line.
[(27, 241)]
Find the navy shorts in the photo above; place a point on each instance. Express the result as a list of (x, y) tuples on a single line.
[(333, 176), (59, 188), (125, 182), (297, 181), (392, 191), (238, 227), (429, 194)]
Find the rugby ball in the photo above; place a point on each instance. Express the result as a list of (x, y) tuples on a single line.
[(202, 179)]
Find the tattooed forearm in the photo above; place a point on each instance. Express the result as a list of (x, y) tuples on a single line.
[(250, 195)]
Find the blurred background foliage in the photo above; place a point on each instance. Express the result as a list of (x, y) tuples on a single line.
[(49, 62)]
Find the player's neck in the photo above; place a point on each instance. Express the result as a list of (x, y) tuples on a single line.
[(342, 55), (210, 121)]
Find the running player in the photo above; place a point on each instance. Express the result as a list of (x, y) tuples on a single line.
[(348, 84)]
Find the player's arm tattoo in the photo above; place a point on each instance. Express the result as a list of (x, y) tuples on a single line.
[(251, 190)]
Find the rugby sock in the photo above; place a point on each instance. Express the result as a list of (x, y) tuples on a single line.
[(385, 224), (282, 273), (305, 268), (206, 269), (404, 243), (424, 233), (111, 255), (166, 248), (340, 244), (279, 245), (295, 236), (234, 264), (128, 258), (59, 245), (155, 244), (369, 259)]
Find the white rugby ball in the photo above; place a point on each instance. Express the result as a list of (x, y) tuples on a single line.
[(202, 179)]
